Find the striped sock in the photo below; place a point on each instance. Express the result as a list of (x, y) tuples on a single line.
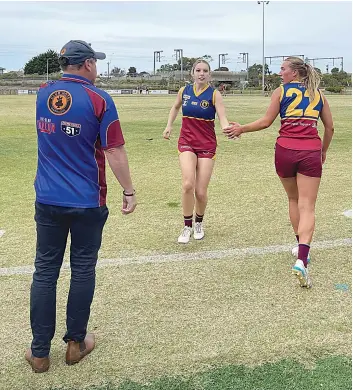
[(188, 221), (198, 218)]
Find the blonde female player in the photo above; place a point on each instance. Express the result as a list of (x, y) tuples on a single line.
[(197, 144), (299, 151)]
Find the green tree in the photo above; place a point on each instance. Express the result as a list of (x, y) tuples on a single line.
[(255, 74), (117, 72), (38, 64), (273, 80), (131, 70), (207, 58), (187, 63), (166, 68), (342, 78), (222, 68), (336, 79), (334, 70)]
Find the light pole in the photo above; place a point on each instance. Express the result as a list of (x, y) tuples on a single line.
[(223, 55), (179, 56), (246, 60), (47, 69), (108, 63), (156, 58), (263, 44)]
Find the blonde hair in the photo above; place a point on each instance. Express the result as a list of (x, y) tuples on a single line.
[(309, 76), (199, 61)]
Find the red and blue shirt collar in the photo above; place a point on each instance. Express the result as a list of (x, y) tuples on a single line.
[(76, 78)]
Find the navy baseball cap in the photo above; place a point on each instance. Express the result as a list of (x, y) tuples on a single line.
[(77, 52)]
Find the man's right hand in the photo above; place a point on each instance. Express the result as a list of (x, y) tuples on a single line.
[(129, 204)]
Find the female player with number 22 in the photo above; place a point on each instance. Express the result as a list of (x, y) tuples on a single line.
[(299, 151)]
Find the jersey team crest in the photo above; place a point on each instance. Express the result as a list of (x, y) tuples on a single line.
[(204, 104), (59, 102)]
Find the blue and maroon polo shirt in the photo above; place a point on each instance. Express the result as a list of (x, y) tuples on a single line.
[(76, 122)]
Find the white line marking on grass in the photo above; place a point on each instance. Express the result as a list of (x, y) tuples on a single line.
[(348, 213), (2, 232), (192, 256)]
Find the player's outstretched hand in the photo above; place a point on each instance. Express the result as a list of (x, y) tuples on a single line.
[(233, 131)]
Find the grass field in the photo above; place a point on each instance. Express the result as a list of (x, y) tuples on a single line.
[(221, 323)]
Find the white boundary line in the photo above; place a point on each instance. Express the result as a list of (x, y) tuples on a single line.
[(192, 256), (348, 213)]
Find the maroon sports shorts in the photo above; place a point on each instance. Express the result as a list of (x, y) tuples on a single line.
[(199, 153), (289, 162)]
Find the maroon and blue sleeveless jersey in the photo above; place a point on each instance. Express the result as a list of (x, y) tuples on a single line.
[(299, 117), (198, 128), (75, 121)]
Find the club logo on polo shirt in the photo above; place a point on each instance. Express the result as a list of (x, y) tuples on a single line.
[(59, 102), (204, 104)]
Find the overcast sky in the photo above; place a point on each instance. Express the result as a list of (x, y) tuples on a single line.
[(129, 32)]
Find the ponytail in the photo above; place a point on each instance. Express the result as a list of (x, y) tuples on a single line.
[(307, 73), (311, 81)]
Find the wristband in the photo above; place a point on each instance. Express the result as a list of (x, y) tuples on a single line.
[(133, 193)]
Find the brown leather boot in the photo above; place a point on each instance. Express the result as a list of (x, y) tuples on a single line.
[(38, 364), (75, 351)]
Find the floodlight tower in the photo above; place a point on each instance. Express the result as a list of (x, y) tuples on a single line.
[(246, 60), (156, 58), (179, 55), (327, 58), (223, 55)]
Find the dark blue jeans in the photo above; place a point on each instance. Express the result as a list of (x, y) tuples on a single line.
[(53, 226)]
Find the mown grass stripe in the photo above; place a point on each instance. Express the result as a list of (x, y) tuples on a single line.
[(331, 373)]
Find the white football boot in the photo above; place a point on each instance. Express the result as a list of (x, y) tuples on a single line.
[(184, 237), (198, 231), (302, 274)]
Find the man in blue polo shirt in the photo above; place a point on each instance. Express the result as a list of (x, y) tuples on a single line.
[(77, 127)]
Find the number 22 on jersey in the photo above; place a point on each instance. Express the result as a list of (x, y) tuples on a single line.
[(299, 108)]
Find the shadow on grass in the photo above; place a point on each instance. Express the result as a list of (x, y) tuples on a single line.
[(332, 373)]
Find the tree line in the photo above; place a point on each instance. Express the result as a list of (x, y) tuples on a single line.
[(334, 81), (48, 61)]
